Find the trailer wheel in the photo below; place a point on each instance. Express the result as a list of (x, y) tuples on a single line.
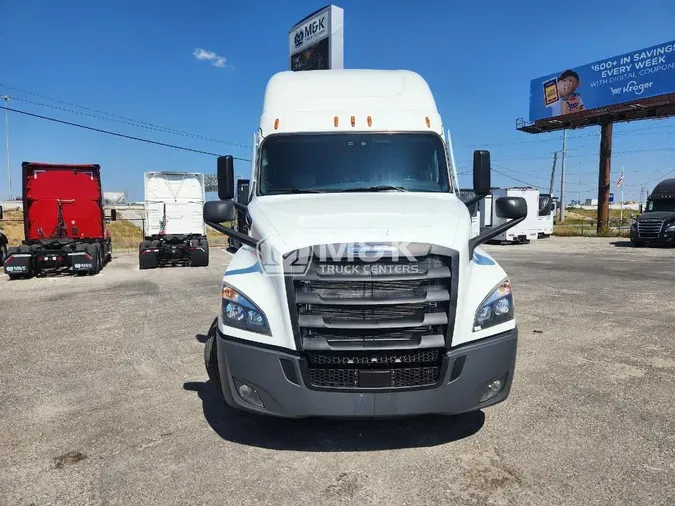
[(211, 355)]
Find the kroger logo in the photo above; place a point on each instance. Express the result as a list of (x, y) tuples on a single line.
[(299, 37), (298, 262)]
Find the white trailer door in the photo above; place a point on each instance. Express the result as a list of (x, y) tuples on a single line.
[(184, 217), (154, 218)]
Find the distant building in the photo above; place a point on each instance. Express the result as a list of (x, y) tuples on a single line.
[(591, 202)]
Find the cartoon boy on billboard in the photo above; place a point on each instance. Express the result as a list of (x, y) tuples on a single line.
[(561, 94)]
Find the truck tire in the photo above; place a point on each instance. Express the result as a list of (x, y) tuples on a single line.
[(211, 355), (3, 253), (637, 244)]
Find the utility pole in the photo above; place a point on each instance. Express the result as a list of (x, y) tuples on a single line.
[(555, 159), (562, 176), (622, 185), (9, 170)]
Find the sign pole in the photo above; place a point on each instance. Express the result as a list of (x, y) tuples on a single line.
[(604, 173)]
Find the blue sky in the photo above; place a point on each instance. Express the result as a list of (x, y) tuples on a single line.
[(136, 60)]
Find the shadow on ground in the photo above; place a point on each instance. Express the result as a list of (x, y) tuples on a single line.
[(330, 435)]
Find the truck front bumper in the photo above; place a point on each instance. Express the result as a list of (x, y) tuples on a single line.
[(277, 381)]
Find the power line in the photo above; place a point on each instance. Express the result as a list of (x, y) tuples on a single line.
[(115, 117), (117, 134)]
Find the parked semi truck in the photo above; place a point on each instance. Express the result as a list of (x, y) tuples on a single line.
[(174, 230), (359, 290), (4, 243), (657, 224), (64, 222), (241, 224)]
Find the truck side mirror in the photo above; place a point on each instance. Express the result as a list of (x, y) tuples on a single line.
[(113, 215), (225, 177), (511, 208), (219, 211), (481, 172)]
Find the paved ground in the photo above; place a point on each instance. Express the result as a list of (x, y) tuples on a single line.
[(104, 398)]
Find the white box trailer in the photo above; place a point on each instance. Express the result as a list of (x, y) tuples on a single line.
[(485, 207), (528, 229), (546, 214), (174, 230), (474, 212)]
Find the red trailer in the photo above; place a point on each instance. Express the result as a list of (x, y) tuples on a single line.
[(64, 223)]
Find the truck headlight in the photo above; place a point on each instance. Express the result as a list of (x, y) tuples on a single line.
[(238, 311), (670, 228), (496, 308)]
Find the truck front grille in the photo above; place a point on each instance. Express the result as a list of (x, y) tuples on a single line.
[(649, 229), (392, 370), (381, 324)]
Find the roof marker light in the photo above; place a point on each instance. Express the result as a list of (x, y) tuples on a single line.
[(353, 120), (335, 121), (428, 121), (276, 123), (370, 121)]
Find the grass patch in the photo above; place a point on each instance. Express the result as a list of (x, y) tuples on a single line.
[(126, 235), (12, 226), (586, 230)]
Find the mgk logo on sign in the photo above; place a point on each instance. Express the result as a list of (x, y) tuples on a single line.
[(331, 259)]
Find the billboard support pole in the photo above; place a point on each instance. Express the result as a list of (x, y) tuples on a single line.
[(562, 176), (605, 173)]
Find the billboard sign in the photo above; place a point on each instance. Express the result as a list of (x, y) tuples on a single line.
[(316, 42), (641, 74)]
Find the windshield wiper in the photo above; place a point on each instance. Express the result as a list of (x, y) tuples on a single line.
[(380, 188), (293, 190)]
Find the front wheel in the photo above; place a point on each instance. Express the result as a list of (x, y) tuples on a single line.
[(637, 243), (3, 253), (211, 355)]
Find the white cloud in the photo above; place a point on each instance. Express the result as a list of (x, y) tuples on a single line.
[(215, 59)]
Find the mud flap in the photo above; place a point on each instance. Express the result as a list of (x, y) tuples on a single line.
[(147, 258), (81, 261), (19, 264), (199, 254)]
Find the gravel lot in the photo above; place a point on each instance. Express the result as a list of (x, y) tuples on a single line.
[(104, 398)]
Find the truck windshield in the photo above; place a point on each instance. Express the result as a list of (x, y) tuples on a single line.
[(667, 205), (353, 162)]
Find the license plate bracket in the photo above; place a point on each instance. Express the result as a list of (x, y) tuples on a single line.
[(375, 378)]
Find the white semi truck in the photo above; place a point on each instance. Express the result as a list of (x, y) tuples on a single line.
[(359, 290), (173, 228)]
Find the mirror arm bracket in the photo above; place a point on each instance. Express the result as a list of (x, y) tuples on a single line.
[(241, 206), (245, 239), (494, 232), (474, 199)]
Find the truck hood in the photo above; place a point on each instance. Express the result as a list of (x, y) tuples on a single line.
[(299, 221), (657, 215)]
